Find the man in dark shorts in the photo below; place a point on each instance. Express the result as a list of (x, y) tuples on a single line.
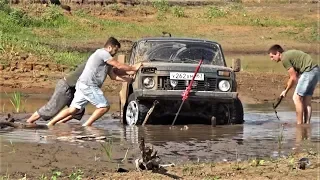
[(62, 96)]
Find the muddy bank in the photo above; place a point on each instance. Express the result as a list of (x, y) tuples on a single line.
[(88, 162), (253, 87)]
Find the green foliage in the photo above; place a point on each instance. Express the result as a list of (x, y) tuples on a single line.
[(16, 101), (80, 13), (55, 175), (161, 5), (178, 11), (107, 148), (256, 162), (53, 16), (215, 12), (315, 35), (115, 7), (4, 6), (76, 175)]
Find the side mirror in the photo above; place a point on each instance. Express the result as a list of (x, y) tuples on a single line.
[(236, 65)]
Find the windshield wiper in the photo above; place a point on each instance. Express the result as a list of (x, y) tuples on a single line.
[(164, 60), (189, 60)]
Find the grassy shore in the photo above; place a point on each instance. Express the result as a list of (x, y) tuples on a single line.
[(53, 35)]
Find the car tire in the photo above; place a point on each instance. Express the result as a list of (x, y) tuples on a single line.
[(135, 111), (236, 112)]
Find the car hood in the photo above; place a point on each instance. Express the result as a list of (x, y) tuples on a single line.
[(161, 66)]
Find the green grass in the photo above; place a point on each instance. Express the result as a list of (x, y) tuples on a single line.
[(259, 63), (15, 100), (107, 148)]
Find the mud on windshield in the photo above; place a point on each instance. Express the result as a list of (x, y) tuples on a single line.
[(179, 52)]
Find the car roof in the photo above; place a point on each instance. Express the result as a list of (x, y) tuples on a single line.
[(176, 39)]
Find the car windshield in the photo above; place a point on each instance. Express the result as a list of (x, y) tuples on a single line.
[(184, 52)]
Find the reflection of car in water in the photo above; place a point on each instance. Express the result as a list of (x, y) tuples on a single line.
[(168, 67), (160, 134)]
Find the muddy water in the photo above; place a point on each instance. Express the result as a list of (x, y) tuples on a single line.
[(257, 137)]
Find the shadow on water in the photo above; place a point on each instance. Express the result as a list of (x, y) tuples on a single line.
[(257, 137)]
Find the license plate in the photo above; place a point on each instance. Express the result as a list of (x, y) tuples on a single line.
[(186, 76)]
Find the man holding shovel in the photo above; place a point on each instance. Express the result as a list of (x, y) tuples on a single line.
[(304, 73)]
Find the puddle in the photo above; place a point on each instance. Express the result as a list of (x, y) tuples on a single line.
[(257, 137), (32, 102)]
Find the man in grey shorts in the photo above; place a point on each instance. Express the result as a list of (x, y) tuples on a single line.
[(98, 66), (62, 96), (303, 71)]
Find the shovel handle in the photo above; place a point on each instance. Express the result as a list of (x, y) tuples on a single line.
[(278, 102)]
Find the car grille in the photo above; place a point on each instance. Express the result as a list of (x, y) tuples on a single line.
[(209, 84)]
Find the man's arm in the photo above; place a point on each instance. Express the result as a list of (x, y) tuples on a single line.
[(116, 77), (292, 80), (113, 62), (120, 72)]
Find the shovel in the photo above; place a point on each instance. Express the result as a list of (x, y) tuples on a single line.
[(275, 105)]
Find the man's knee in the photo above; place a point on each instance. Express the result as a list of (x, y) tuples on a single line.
[(72, 110), (297, 98), (105, 109)]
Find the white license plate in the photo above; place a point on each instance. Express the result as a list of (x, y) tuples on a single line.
[(186, 76)]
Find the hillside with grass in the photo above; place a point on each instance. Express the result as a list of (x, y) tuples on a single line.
[(48, 33)]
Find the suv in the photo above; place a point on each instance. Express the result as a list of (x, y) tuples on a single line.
[(168, 67)]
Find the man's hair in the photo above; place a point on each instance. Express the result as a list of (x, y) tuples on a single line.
[(112, 42), (275, 48)]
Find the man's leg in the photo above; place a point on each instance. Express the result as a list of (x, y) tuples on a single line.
[(35, 116), (298, 101), (98, 113), (68, 118), (62, 115), (95, 96), (78, 115), (305, 87), (57, 102), (307, 109), (77, 104)]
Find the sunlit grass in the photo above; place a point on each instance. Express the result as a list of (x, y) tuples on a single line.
[(50, 34), (15, 100)]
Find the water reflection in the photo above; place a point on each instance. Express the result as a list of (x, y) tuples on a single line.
[(257, 137), (303, 133)]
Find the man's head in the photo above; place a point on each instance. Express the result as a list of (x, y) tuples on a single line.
[(275, 52), (112, 46)]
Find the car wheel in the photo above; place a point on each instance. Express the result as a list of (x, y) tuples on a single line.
[(135, 111), (223, 114), (236, 112)]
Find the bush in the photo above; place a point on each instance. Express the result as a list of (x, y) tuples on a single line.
[(178, 11), (161, 5), (215, 12), (4, 6), (53, 16)]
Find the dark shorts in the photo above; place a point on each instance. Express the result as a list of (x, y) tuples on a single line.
[(62, 96)]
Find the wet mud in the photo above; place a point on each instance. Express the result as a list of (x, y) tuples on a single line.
[(37, 151)]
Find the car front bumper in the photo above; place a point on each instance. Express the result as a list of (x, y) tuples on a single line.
[(177, 95)]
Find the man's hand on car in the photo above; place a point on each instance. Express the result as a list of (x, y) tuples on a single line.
[(137, 66)]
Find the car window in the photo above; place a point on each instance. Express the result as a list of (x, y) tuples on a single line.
[(185, 52)]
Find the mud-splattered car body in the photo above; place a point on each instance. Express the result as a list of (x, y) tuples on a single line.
[(168, 67)]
